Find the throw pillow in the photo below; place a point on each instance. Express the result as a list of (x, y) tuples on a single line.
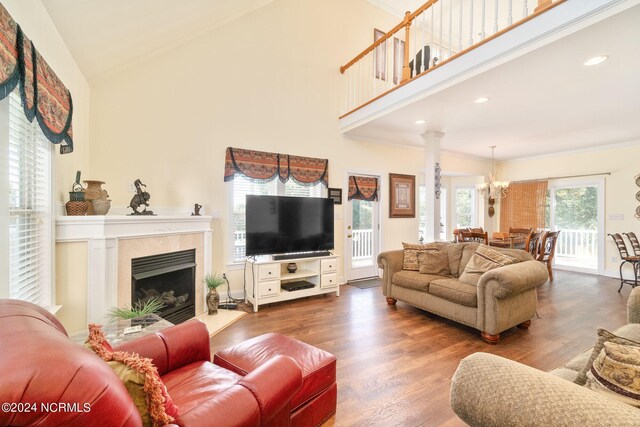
[(410, 261), (140, 378), (604, 336), (434, 262), (483, 260), (616, 373)]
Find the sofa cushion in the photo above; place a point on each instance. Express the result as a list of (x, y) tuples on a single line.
[(468, 249), (434, 262), (616, 373), (414, 280), (604, 336), (483, 260), (455, 291), (454, 252), (630, 331), (565, 373), (410, 254), (140, 378)]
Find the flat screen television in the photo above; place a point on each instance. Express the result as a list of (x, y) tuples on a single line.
[(280, 224)]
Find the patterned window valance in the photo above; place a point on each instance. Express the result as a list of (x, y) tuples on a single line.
[(363, 188), (44, 96), (265, 166)]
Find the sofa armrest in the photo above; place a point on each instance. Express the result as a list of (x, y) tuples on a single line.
[(273, 384), (489, 390), (515, 278), (633, 306), (174, 347), (390, 262)]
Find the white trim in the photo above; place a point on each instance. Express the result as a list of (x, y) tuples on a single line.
[(555, 154)]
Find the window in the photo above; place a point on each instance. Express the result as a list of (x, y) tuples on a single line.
[(243, 186), (465, 207), (27, 170)]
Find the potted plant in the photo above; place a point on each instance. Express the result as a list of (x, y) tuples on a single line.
[(137, 309), (212, 281)]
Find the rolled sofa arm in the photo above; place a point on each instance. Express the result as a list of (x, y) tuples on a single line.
[(390, 262), (515, 278), (633, 306), (174, 347), (488, 390)]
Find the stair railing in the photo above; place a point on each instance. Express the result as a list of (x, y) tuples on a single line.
[(433, 35)]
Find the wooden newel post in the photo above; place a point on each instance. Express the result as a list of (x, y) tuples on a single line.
[(406, 70)]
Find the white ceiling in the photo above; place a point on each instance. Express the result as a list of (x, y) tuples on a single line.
[(544, 102), (123, 31)]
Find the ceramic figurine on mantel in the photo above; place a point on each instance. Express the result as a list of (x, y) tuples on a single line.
[(141, 199), (77, 205)]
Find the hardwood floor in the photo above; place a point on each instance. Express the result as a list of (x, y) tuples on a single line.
[(395, 362)]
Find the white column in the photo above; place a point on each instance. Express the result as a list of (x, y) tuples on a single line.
[(102, 260), (431, 160)]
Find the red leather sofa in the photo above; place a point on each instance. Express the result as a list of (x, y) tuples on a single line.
[(40, 368)]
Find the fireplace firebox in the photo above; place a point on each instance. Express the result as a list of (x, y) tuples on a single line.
[(170, 277)]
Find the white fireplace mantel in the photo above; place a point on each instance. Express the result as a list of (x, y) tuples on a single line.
[(102, 234)]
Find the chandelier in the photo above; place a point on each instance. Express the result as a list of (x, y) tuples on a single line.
[(494, 188)]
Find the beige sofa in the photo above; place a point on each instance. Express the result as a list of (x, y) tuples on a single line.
[(489, 390), (503, 298)]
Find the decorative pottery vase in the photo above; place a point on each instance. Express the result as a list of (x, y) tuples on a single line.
[(213, 299), (101, 206), (292, 267), (94, 191), (76, 208)]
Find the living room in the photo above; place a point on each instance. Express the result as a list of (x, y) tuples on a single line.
[(160, 93)]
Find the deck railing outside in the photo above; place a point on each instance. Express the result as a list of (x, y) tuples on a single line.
[(578, 244), (362, 244), (434, 34)]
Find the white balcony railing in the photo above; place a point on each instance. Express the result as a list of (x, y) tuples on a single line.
[(434, 34), (579, 245), (239, 245), (362, 244)]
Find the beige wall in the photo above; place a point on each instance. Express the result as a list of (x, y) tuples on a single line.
[(620, 186), (268, 81)]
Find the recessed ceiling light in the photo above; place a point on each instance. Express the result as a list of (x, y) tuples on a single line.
[(421, 122), (481, 100), (596, 60)]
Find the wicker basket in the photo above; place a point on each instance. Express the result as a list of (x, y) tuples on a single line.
[(76, 196), (77, 208)]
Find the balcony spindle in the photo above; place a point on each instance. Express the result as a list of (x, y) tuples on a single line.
[(525, 9), (482, 22), (450, 27), (495, 16), (510, 14), (440, 47), (470, 22), (460, 29)]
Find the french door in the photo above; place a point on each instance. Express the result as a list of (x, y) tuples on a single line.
[(362, 239), (577, 208)]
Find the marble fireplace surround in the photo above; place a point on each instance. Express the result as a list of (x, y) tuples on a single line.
[(113, 240)]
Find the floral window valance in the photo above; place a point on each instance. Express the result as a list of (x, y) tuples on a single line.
[(363, 188), (265, 166), (44, 96)]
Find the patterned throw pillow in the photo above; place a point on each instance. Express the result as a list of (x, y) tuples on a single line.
[(434, 262), (483, 260), (616, 373), (140, 378), (411, 251), (604, 336)]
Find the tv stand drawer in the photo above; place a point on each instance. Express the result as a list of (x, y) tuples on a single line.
[(329, 280), (270, 288), (328, 265), (268, 272)]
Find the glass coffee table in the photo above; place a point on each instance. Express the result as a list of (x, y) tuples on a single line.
[(120, 331)]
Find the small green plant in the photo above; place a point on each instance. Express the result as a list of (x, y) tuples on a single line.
[(137, 309), (213, 280)]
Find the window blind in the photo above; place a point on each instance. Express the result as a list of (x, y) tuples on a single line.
[(524, 205), (29, 180)]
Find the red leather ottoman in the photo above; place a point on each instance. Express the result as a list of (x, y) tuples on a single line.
[(315, 402)]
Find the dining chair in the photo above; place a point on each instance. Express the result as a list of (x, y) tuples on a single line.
[(548, 249), (472, 236), (634, 260)]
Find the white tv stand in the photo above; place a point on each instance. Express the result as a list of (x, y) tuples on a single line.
[(266, 276)]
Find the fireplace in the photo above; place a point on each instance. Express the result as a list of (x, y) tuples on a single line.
[(170, 277)]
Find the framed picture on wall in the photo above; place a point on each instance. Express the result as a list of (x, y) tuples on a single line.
[(380, 56), (336, 195), (402, 197)]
